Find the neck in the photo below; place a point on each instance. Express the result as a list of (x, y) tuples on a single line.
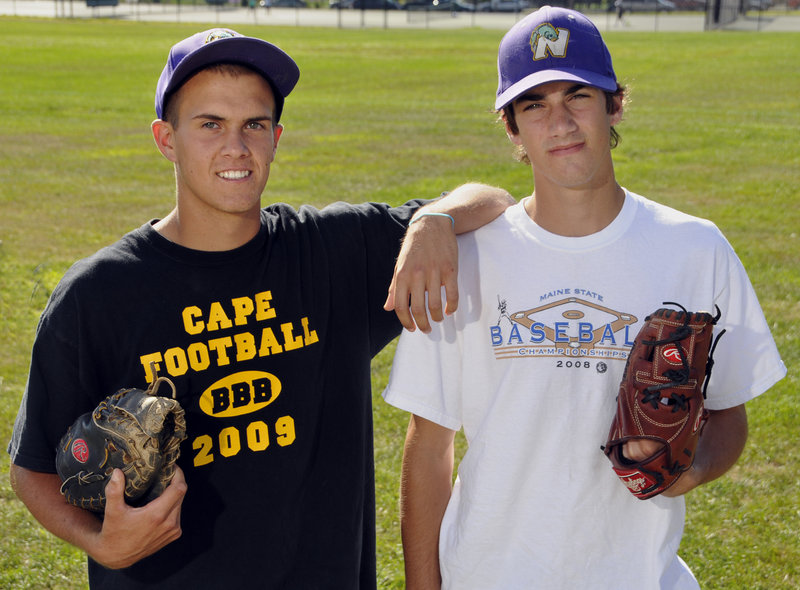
[(575, 213), (207, 233)]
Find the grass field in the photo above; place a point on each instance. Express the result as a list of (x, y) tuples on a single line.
[(387, 115)]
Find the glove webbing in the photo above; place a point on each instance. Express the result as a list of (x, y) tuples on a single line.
[(679, 377)]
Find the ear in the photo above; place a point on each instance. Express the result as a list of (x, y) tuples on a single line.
[(277, 131), (164, 134), (512, 137), (616, 116)]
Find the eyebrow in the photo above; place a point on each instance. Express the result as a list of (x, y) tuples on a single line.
[(534, 96), (261, 119)]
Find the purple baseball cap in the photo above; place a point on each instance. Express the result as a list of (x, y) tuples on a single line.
[(217, 46), (552, 45)]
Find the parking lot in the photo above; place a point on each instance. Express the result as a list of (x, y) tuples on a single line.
[(226, 14)]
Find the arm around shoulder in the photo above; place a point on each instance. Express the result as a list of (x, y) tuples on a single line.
[(471, 205), (428, 259)]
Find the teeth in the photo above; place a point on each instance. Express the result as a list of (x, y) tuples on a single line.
[(234, 174)]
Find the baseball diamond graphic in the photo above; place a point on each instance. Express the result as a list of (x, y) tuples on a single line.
[(601, 319)]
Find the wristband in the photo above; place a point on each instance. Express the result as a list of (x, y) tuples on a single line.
[(435, 214)]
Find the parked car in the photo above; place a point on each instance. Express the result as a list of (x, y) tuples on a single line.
[(505, 6), (441, 5), (376, 4), (427, 5), (365, 4), (461, 5), (642, 5), (283, 3), (484, 5), (690, 4)]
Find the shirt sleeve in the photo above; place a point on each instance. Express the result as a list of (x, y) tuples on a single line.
[(426, 375), (51, 401), (746, 360), (368, 236)]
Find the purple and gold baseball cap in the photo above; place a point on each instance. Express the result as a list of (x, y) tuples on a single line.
[(552, 45), (217, 46)]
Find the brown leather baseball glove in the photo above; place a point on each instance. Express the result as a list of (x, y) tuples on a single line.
[(661, 398)]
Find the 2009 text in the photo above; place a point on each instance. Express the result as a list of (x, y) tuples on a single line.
[(228, 442)]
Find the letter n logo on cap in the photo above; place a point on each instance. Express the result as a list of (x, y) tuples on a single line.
[(546, 41), (217, 34)]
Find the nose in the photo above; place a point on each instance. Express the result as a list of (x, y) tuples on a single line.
[(561, 121), (235, 145)]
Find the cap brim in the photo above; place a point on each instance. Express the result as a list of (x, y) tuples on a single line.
[(267, 59), (538, 78)]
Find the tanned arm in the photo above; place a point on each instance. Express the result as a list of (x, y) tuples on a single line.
[(425, 490), (718, 449), (125, 534), (428, 259), (721, 443)]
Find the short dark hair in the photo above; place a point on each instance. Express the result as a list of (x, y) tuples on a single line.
[(507, 115), (232, 69)]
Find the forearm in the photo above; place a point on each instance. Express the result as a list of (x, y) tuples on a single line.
[(424, 494), (471, 205), (124, 536), (428, 259), (718, 449), (40, 494)]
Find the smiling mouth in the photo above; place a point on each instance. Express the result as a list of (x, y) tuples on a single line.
[(234, 174)]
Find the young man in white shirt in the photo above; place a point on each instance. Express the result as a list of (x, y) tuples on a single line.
[(552, 294)]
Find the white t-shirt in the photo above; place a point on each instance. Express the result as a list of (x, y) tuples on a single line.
[(529, 366)]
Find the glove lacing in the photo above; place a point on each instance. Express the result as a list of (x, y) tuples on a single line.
[(680, 376)]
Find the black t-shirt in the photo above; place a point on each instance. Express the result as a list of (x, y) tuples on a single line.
[(269, 347)]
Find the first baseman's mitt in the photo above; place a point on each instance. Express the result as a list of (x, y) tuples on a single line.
[(661, 398), (136, 431)]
